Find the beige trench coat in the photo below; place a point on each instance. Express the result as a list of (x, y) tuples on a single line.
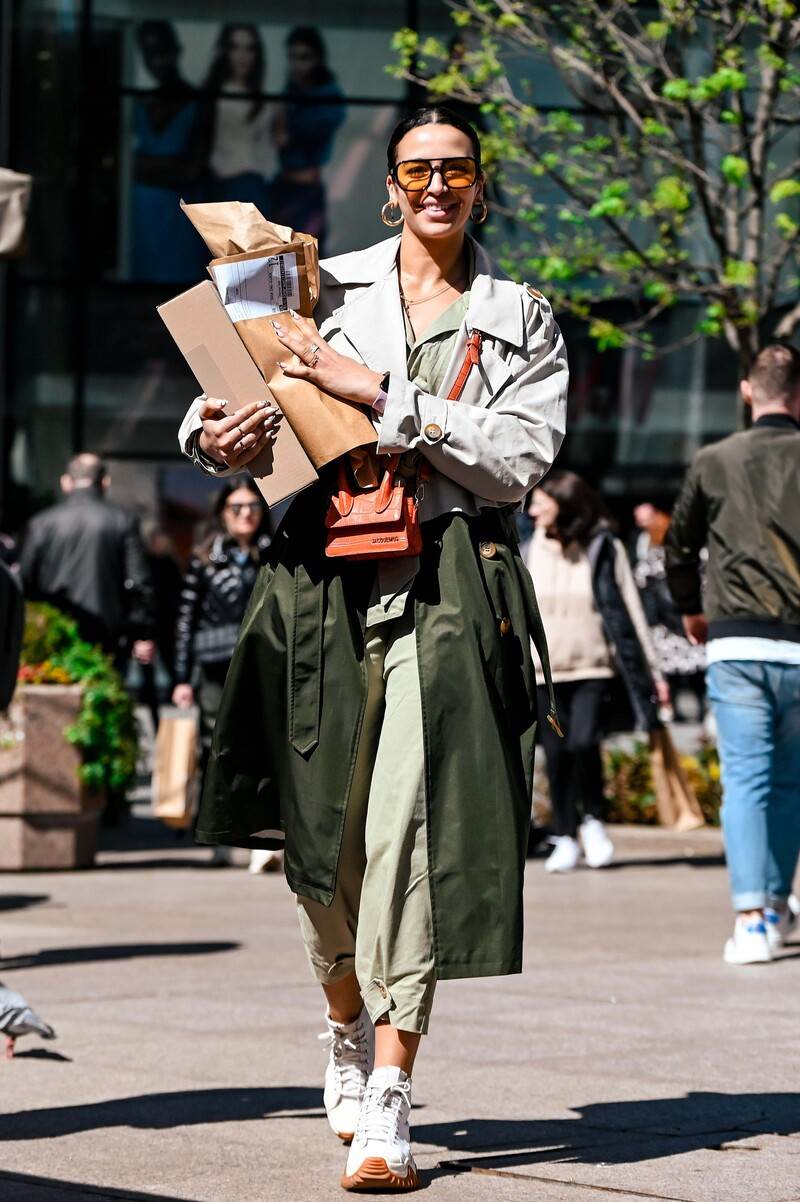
[(493, 445)]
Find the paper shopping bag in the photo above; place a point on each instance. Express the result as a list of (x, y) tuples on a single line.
[(175, 768), (262, 269), (676, 800)]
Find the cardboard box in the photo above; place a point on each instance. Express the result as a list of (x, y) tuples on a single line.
[(221, 364)]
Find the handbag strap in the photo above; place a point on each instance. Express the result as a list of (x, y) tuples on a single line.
[(471, 359)]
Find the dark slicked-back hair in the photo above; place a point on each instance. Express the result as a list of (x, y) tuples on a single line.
[(775, 373), (434, 114), (581, 510), (86, 470)]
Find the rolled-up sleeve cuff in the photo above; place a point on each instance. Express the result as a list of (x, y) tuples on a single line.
[(411, 418)]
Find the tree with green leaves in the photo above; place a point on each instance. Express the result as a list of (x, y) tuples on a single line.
[(671, 175)]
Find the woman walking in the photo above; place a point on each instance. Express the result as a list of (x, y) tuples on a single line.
[(400, 769), (596, 631), (216, 590)]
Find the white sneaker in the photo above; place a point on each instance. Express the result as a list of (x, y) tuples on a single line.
[(565, 854), (598, 850), (352, 1052), (781, 923), (748, 944), (265, 861), (380, 1156)]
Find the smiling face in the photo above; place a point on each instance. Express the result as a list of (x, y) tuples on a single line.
[(438, 211)]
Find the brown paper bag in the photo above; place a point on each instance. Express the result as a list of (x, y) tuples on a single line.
[(175, 769), (262, 269), (676, 800)]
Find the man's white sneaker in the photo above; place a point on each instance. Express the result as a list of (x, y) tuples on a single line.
[(380, 1155), (748, 944), (781, 923), (352, 1051), (565, 854), (598, 850)]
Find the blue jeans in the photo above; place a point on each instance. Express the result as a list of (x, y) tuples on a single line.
[(757, 710)]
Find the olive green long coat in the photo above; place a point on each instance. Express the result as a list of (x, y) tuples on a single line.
[(288, 728)]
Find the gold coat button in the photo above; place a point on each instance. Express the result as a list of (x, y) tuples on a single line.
[(433, 432), (505, 625), (488, 550)]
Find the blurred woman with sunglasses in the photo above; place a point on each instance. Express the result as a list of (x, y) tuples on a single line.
[(400, 690), (216, 589)]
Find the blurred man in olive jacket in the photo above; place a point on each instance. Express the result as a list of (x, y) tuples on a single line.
[(741, 500), (85, 556)]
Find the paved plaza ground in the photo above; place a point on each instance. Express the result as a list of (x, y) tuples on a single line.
[(627, 1062)]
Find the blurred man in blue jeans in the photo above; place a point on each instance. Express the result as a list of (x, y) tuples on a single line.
[(741, 500)]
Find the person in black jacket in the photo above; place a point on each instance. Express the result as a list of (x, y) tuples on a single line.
[(216, 590), (741, 500), (85, 556)]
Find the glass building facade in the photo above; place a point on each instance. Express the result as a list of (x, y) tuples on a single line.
[(118, 110)]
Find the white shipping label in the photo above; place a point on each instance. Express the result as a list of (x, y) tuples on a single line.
[(258, 287)]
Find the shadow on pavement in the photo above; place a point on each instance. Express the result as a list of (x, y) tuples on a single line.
[(52, 956), (22, 901), (140, 831), (42, 1054), (195, 862), (715, 861), (617, 1132), (22, 1187), (187, 1108)]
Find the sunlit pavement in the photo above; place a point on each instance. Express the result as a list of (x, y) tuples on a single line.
[(626, 1062)]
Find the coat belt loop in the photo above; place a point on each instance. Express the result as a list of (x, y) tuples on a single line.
[(306, 667)]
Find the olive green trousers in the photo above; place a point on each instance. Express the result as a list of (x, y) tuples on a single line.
[(379, 924)]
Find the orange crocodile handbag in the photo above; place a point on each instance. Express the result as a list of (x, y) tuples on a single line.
[(383, 522)]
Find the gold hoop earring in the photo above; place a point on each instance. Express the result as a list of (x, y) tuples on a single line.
[(482, 214), (391, 221)]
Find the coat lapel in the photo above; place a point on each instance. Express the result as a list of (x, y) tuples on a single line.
[(373, 325), (372, 320)]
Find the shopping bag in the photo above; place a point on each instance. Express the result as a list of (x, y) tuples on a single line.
[(176, 768), (676, 800), (261, 270)]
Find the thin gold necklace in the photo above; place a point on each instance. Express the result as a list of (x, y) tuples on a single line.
[(421, 299)]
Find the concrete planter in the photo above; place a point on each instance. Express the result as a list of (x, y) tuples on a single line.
[(48, 819)]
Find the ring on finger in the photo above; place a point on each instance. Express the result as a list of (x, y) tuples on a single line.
[(314, 351)]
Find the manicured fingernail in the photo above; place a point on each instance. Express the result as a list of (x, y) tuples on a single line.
[(277, 328), (263, 404)]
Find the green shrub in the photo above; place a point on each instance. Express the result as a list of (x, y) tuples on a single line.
[(105, 730)]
